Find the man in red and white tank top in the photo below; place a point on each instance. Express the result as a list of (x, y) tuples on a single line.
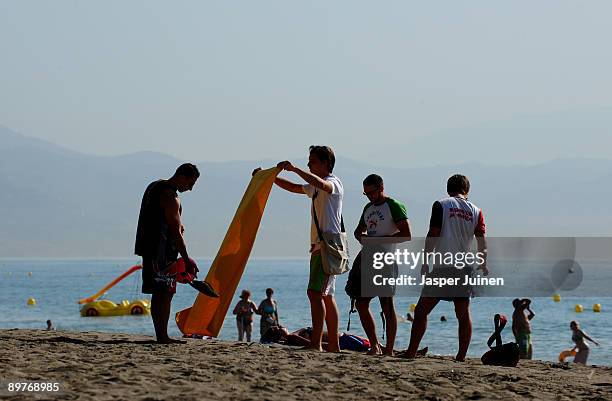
[(453, 225)]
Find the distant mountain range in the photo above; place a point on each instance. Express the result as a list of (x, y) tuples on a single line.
[(60, 203)]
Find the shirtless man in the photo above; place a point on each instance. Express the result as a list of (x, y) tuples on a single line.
[(159, 240), (521, 327)]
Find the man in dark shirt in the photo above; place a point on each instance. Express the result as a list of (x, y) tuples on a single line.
[(159, 240)]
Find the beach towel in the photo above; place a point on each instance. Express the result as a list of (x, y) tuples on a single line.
[(206, 315)]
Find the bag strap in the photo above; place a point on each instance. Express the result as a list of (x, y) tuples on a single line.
[(314, 214), (316, 220), (353, 310)]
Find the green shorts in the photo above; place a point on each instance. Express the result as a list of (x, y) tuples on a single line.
[(318, 281), (524, 342)]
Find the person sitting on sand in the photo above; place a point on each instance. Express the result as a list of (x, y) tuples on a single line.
[(454, 223), (521, 327), (382, 217), (50, 325), (244, 310), (581, 348), (268, 309)]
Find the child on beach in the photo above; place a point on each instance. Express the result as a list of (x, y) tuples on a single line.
[(244, 310), (521, 327)]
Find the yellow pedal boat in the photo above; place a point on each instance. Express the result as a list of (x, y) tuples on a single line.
[(109, 308), (93, 307)]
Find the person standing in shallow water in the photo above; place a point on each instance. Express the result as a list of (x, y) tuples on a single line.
[(327, 193), (244, 310), (159, 241), (581, 348), (268, 309), (521, 328)]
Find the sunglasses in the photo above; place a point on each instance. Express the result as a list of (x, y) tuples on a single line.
[(368, 193)]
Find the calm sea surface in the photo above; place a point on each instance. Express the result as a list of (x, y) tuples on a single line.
[(58, 284)]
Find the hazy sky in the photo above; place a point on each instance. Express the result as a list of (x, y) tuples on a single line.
[(263, 79)]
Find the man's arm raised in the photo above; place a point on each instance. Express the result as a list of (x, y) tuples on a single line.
[(284, 184), (288, 185), (310, 178)]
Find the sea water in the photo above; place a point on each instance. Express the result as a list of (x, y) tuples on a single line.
[(57, 285)]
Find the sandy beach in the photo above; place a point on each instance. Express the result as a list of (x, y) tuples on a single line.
[(102, 366)]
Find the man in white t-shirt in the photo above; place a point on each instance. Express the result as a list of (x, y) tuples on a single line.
[(327, 192), (382, 217), (453, 225)]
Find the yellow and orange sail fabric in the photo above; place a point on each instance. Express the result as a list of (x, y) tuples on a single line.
[(206, 315)]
